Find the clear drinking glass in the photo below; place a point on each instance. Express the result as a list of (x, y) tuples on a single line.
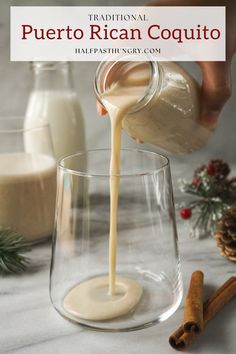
[(147, 250), (27, 179)]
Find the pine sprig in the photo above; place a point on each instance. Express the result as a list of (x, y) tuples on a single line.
[(213, 191), (12, 249)]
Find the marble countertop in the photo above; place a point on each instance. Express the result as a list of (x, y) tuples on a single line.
[(30, 325)]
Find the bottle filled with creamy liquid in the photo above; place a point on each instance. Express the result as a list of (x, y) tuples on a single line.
[(54, 101), (157, 102)]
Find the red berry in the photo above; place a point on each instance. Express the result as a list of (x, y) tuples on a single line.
[(185, 213), (233, 180), (195, 181), (211, 170)]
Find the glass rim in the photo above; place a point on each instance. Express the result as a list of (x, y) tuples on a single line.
[(21, 130), (107, 175)]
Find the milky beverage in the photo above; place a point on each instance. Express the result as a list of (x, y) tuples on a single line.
[(61, 109), (109, 297), (171, 119), (27, 194)]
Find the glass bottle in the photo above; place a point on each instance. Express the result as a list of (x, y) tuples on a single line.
[(54, 101), (168, 113)]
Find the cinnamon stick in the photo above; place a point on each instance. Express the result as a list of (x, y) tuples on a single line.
[(193, 311), (179, 339), (219, 299)]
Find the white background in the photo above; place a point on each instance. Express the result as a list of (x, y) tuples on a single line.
[(77, 17)]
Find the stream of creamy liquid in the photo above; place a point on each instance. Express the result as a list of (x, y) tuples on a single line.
[(104, 298), (120, 98)]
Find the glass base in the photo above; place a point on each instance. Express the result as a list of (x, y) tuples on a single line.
[(39, 241), (158, 302)]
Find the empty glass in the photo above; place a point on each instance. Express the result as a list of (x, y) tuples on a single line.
[(27, 179), (147, 251)]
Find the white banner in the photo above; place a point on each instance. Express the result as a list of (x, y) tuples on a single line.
[(80, 33)]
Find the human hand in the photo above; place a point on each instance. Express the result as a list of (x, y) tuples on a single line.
[(216, 76)]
